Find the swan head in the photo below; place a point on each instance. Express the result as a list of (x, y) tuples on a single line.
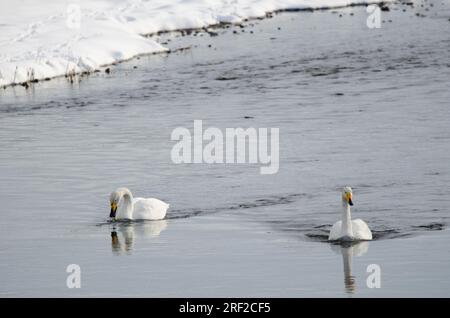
[(115, 197), (347, 196)]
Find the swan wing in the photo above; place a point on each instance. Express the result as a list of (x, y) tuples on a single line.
[(149, 209), (335, 232), (361, 230)]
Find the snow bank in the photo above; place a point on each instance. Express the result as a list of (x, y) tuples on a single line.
[(48, 38)]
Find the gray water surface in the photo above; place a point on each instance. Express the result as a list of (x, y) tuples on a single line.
[(355, 106)]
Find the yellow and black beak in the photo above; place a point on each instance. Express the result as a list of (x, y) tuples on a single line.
[(349, 199), (113, 210)]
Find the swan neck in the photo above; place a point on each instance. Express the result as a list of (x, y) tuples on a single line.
[(127, 198), (346, 220), (127, 195)]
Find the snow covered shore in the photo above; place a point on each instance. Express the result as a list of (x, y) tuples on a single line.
[(49, 38)]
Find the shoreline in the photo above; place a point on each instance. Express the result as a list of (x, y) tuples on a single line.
[(71, 75)]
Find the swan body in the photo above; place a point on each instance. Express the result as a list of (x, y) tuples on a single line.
[(125, 207), (348, 229), (361, 232)]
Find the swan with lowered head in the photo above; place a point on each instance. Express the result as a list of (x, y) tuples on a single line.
[(125, 207), (348, 229)]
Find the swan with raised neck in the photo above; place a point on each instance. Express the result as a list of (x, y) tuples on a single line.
[(348, 229)]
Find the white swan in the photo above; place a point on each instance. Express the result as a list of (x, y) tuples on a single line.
[(348, 230), (124, 206)]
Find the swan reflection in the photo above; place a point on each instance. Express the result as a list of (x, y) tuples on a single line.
[(123, 235), (348, 250)]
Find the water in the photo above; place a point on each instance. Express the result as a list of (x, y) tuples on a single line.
[(355, 106)]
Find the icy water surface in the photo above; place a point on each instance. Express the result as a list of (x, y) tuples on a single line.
[(355, 106)]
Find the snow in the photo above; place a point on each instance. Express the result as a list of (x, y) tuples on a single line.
[(49, 38)]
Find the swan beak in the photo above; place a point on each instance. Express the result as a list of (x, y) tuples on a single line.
[(349, 199), (113, 210)]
